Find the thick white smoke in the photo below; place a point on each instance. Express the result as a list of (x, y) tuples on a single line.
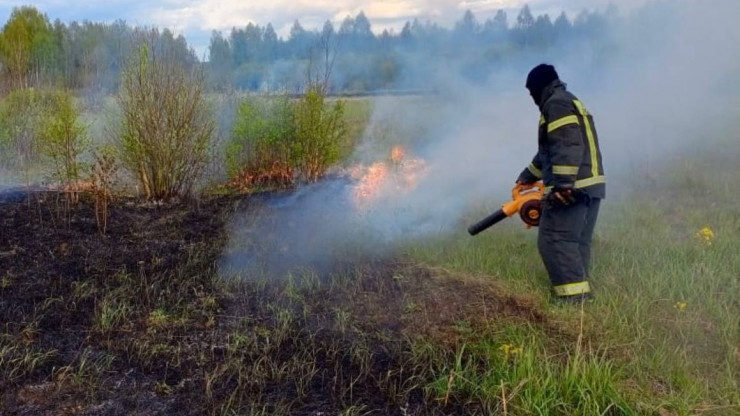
[(667, 84)]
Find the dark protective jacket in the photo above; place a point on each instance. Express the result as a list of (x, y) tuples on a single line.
[(568, 154)]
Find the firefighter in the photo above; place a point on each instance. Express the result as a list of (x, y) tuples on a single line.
[(568, 160)]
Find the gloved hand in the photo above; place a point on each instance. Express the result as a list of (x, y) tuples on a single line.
[(525, 184), (561, 196), (522, 186)]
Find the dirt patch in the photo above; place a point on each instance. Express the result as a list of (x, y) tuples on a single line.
[(432, 304)]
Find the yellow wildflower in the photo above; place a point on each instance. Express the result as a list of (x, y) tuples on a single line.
[(680, 305), (705, 235), (510, 350)]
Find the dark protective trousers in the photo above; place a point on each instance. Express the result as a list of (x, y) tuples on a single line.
[(564, 242)]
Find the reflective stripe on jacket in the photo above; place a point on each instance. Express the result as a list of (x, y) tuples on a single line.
[(568, 153)]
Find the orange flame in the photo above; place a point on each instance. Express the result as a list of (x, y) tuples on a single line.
[(371, 183), (398, 174), (398, 153)]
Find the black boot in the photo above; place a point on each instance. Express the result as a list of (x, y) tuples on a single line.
[(587, 297)]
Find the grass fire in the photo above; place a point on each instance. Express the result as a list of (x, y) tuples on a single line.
[(276, 221), (394, 176)]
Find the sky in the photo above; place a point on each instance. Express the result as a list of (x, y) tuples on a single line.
[(196, 19)]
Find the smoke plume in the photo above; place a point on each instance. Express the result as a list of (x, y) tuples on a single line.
[(664, 86)]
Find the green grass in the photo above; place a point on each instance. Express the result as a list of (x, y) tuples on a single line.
[(662, 336), (356, 115)]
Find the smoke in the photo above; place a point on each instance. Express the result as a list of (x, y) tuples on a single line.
[(664, 86), (678, 92)]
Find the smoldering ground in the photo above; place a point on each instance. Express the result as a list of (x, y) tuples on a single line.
[(296, 231), (662, 88)]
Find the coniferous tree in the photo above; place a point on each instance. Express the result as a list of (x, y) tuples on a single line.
[(270, 42), (467, 27), (562, 26), (525, 20)]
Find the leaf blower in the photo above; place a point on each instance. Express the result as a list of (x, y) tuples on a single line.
[(526, 200)]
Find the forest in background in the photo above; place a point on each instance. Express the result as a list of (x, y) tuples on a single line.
[(90, 56)]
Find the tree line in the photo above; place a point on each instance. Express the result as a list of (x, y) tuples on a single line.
[(35, 51), (255, 58)]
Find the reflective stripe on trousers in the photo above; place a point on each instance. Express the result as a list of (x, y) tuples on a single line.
[(572, 289), (564, 242)]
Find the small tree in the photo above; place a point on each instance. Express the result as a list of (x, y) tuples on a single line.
[(24, 41), (319, 129), (63, 141), (167, 127), (321, 60), (320, 126)]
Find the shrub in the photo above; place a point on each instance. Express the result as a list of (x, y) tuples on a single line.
[(320, 128), (277, 141), (260, 150), (166, 128), (21, 116), (63, 140)]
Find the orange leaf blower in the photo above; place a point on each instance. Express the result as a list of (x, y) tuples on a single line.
[(526, 200)]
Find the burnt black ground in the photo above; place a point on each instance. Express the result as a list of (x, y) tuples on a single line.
[(58, 274), (48, 252)]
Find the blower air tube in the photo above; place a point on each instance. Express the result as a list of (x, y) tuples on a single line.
[(486, 222)]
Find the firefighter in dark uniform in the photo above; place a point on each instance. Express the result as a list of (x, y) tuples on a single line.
[(568, 160)]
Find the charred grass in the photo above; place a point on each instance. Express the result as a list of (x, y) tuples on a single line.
[(83, 314), (139, 322)]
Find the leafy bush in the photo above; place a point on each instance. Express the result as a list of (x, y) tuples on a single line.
[(63, 139), (260, 150), (319, 129), (22, 115), (166, 128), (277, 141)]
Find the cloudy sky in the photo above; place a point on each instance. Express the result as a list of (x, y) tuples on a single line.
[(197, 18)]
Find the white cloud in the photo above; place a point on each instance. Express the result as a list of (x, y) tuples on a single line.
[(225, 14)]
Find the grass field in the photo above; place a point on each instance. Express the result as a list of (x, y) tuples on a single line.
[(662, 336), (141, 322)]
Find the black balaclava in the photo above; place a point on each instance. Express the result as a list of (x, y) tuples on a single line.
[(540, 77)]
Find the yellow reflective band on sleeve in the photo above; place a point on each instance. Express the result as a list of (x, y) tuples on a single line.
[(590, 134), (536, 172), (584, 183), (572, 289), (542, 119), (572, 119), (565, 170)]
